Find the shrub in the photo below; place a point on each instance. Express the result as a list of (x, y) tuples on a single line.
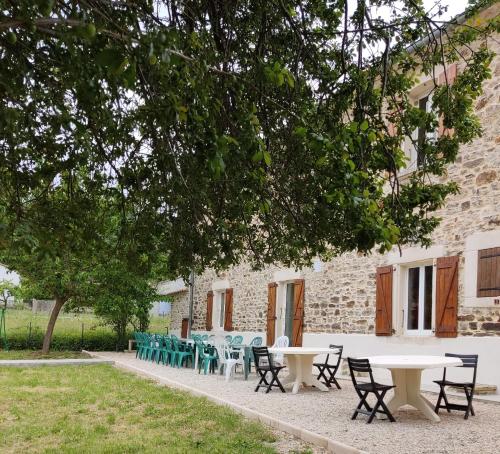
[(92, 340)]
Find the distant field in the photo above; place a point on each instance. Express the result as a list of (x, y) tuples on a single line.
[(18, 322), (72, 332)]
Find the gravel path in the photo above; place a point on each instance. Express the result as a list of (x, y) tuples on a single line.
[(328, 414)]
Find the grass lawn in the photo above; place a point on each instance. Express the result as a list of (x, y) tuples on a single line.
[(32, 354), (87, 409)]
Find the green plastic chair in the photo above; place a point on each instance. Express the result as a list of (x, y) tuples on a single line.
[(183, 353), (157, 346), (165, 351), (204, 337), (139, 344), (148, 347), (255, 342), (237, 340), (207, 357), (228, 338)]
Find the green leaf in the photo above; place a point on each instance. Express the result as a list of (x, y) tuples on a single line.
[(364, 125), (267, 157)]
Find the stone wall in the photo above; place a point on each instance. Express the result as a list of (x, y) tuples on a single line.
[(341, 297)]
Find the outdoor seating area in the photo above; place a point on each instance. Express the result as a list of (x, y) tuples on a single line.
[(329, 413), (226, 355)]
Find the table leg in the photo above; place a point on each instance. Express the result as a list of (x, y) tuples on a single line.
[(300, 373), (407, 392), (307, 375)]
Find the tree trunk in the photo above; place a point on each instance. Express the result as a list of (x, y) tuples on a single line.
[(47, 339)]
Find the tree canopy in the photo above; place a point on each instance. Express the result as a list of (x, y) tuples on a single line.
[(234, 129)]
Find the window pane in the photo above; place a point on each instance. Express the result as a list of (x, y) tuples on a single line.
[(413, 293), (428, 298), (222, 307), (290, 290)]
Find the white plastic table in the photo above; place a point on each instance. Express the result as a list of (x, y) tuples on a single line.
[(406, 376), (300, 365)]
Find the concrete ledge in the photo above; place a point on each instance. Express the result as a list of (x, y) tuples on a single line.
[(332, 446), (52, 362)]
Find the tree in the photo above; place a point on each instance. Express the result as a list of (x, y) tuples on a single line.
[(70, 249), (251, 129), (121, 298)]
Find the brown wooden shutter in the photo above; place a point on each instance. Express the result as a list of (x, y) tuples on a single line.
[(383, 302), (228, 310), (488, 272), (446, 296), (298, 313), (210, 305), (449, 75), (271, 313)]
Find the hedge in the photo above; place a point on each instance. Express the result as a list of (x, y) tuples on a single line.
[(93, 341)]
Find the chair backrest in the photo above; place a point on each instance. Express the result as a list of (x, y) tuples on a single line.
[(282, 342), (359, 365), (262, 357), (228, 338), (237, 340), (340, 349), (204, 337), (469, 361), (256, 341), (196, 337)]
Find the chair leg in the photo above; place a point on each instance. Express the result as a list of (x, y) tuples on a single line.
[(262, 380), (469, 403), (438, 403), (276, 380), (384, 407), (362, 403)]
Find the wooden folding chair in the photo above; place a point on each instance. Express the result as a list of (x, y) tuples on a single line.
[(469, 361), (330, 369), (364, 389), (264, 365)]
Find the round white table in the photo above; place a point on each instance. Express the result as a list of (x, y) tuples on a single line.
[(300, 366), (406, 376)]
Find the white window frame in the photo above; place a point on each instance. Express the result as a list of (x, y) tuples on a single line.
[(408, 258), (421, 292), (219, 288), (216, 313)]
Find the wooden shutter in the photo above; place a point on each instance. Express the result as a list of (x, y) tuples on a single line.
[(228, 310), (383, 302), (271, 313), (449, 75), (210, 305), (488, 272), (446, 296), (298, 313)]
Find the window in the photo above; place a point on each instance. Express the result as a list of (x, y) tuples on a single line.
[(488, 272), (290, 293), (219, 309), (419, 301)]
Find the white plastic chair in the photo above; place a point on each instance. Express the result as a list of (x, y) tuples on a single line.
[(226, 359), (281, 342)]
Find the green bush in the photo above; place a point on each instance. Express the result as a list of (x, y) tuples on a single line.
[(93, 341)]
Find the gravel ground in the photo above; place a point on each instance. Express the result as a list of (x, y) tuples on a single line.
[(328, 414)]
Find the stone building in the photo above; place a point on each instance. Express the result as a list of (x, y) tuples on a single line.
[(445, 298)]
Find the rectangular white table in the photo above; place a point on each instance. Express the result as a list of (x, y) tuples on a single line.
[(406, 371), (300, 366)]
